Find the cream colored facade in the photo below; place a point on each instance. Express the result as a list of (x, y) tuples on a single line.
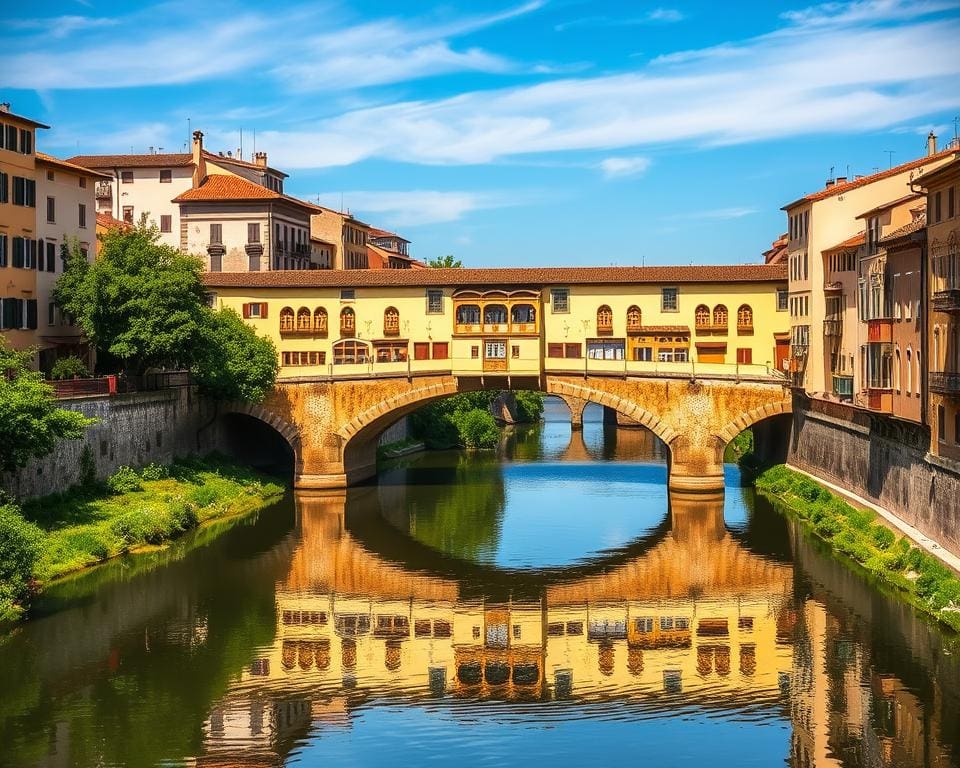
[(344, 331), (347, 235), (817, 223), (66, 213)]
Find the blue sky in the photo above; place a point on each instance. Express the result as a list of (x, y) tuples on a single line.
[(509, 133)]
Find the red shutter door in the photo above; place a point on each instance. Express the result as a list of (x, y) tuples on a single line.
[(246, 311), (441, 350), (421, 350)]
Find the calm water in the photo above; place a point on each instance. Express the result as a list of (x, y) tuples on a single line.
[(549, 605)]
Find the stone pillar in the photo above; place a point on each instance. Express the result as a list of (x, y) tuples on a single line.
[(696, 465), (575, 406)]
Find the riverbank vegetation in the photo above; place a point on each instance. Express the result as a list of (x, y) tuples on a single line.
[(55, 535), (892, 558), (465, 420)]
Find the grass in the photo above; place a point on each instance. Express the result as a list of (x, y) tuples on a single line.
[(920, 576), (88, 525)]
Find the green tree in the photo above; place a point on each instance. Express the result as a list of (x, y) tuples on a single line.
[(235, 363), (19, 550), (445, 262), (30, 421), (140, 301)]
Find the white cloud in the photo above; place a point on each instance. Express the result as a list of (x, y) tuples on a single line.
[(817, 81), (59, 27), (421, 206), (654, 16), (866, 11), (619, 167)]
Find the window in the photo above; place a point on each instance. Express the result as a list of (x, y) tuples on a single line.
[(495, 350), (495, 314), (348, 322), (26, 141), (554, 350), (745, 317), (320, 320), (3, 250), (12, 135), (744, 355), (253, 232), (909, 370), (951, 203), (598, 349), (474, 352), (128, 214), (634, 318), (434, 302), (350, 352), (468, 314), (24, 192), (256, 311), (669, 299), (50, 176), (348, 294), (82, 215), (941, 418), (216, 234), (51, 257), (4, 188), (701, 317), (937, 210), (720, 316), (523, 314), (390, 352), (305, 358), (304, 319), (83, 182), (51, 210), (560, 300), (441, 350), (604, 319), (643, 354), (126, 177), (515, 351), (166, 223), (166, 176), (286, 319), (391, 322), (216, 261), (421, 350)]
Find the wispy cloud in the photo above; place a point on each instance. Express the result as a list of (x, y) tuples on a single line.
[(654, 16), (715, 214), (422, 206), (59, 27), (866, 11), (815, 81), (619, 167)]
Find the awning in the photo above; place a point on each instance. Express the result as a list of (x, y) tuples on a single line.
[(711, 344)]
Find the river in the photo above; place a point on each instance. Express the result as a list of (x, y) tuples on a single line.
[(548, 604)]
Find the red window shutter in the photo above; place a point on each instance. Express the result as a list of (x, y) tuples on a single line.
[(441, 350), (573, 350), (421, 350), (246, 311), (745, 356), (554, 350), (263, 310)]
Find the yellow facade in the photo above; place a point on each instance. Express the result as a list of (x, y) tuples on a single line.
[(18, 229), (523, 331)]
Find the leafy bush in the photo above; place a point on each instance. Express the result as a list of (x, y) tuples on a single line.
[(882, 536), (155, 472), (203, 496), (183, 517), (19, 550), (124, 480), (478, 429), (139, 526), (529, 405), (68, 368)]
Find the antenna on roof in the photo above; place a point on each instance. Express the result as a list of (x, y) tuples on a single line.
[(831, 172), (890, 154), (240, 151), (254, 142), (956, 131), (189, 132)]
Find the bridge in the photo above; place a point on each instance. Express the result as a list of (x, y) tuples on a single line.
[(693, 354)]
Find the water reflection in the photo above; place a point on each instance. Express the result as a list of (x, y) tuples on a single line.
[(335, 630)]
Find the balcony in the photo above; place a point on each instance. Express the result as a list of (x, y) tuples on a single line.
[(744, 329), (945, 382), (832, 327), (947, 301), (843, 385), (604, 329), (104, 190)]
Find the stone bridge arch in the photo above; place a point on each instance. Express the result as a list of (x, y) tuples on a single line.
[(334, 425)]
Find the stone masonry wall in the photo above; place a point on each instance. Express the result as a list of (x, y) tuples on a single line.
[(132, 430), (882, 460)]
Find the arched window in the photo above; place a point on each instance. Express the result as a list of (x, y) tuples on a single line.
[(320, 320), (909, 370), (919, 377), (745, 317), (350, 352), (702, 316), (936, 347), (348, 322), (522, 314), (634, 318), (720, 316), (897, 369), (604, 319), (495, 314), (468, 314), (304, 319), (286, 319), (391, 322)]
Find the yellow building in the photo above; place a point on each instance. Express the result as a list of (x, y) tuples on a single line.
[(347, 235), (18, 228), (522, 322), (943, 247)]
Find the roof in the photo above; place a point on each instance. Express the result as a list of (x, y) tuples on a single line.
[(22, 119), (345, 214), (107, 221), (919, 224), (362, 278), (851, 242), (246, 164), (839, 189), (378, 233), (891, 204), (42, 157), (944, 170), (159, 160), (218, 186), (777, 251), (315, 239), (386, 253)]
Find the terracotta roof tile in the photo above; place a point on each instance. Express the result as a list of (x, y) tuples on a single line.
[(8, 115), (104, 162), (891, 204), (839, 189), (362, 278), (42, 157), (243, 163), (851, 242), (376, 232), (107, 221), (916, 225), (222, 187)]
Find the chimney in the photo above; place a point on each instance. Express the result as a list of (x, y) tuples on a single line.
[(841, 180), (199, 161), (931, 144), (829, 183), (260, 158)]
